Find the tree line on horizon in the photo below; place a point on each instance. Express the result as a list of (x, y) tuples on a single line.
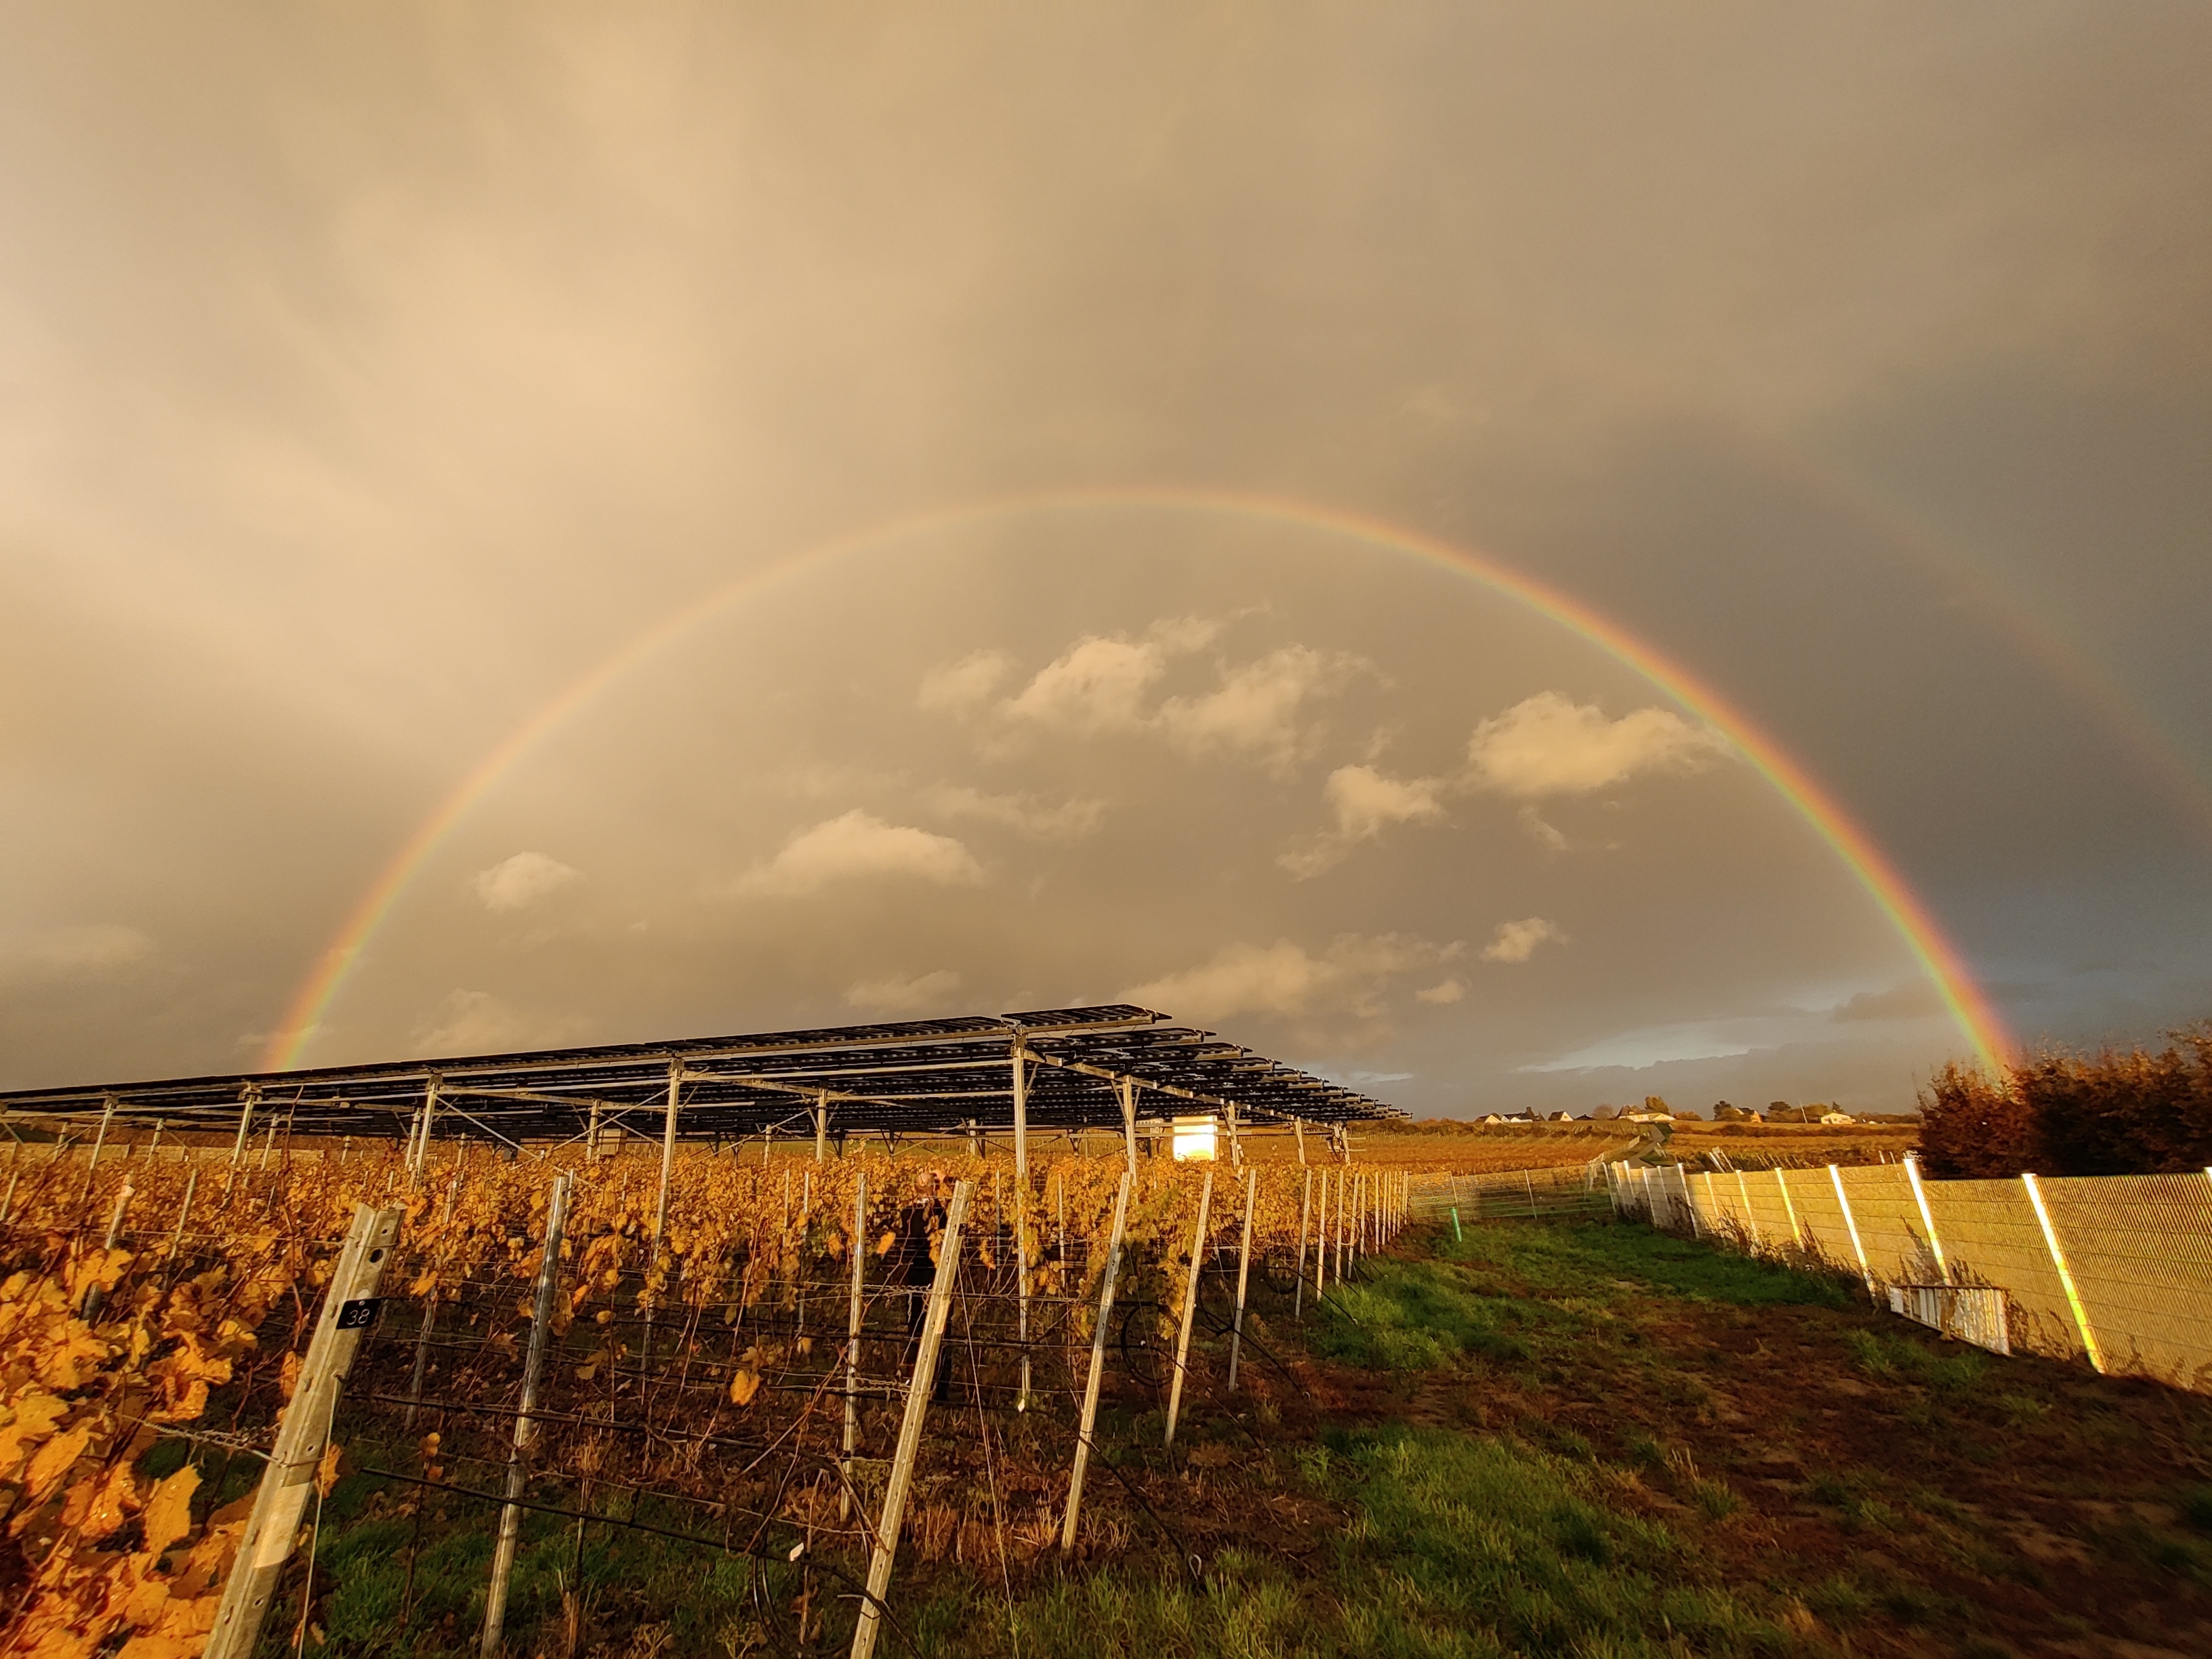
[(2062, 1113)]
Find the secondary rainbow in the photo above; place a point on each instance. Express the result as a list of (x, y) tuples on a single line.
[(1977, 1021)]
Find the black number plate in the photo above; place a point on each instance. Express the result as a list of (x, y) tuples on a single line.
[(359, 1313)]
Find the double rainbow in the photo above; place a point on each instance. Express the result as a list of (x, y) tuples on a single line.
[(1977, 1021)]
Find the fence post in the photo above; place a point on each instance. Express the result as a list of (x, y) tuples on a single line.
[(1688, 1203), (1097, 1368), (93, 1295), (349, 1308), (1129, 1123), (2065, 1273), (1851, 1225), (1750, 1215), (1797, 1232), (1321, 1239), (1305, 1214), (525, 1430), (1243, 1272), (1927, 1215), (1189, 1306), (918, 1389)]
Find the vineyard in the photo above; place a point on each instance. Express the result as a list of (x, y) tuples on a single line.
[(770, 1359)]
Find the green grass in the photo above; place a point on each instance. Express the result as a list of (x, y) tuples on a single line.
[(1411, 1315), (1606, 1260)]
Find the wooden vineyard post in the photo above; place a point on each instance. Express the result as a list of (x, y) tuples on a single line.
[(1750, 1216), (1189, 1306), (853, 1338), (1022, 1282), (1097, 1365), (184, 1211), (7, 1204), (526, 1431), (349, 1308), (92, 1164), (918, 1389), (1342, 1181), (1299, 1128), (1243, 1276), (660, 1203), (1305, 1214), (93, 1295)]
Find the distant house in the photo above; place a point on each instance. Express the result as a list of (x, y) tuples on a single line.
[(1838, 1117), (1647, 1117), (1724, 1113), (1492, 1117), (1561, 1117)]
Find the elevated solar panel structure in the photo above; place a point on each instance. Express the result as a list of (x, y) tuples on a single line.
[(906, 1078)]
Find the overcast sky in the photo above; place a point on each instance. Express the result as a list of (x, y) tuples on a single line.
[(370, 375)]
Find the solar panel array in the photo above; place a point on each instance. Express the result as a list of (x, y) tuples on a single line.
[(912, 1077)]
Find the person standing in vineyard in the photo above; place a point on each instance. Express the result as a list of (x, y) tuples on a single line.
[(911, 1268)]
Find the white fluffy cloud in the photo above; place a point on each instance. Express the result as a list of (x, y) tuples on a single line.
[(516, 882), (1285, 980), (1548, 745), (1516, 941), (1097, 686), (859, 845), (1255, 709), (1364, 803), (1068, 820), (1449, 991), (1105, 684), (898, 995)]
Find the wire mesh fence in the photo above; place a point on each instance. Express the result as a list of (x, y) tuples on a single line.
[(2114, 1270)]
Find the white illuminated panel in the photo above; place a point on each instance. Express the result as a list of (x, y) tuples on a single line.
[(1194, 1139)]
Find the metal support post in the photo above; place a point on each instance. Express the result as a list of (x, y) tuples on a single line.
[(667, 1164), (1189, 1306), (1129, 1121), (1243, 1276), (1097, 1363), (349, 1308), (1021, 1112), (525, 1430), (822, 1128), (918, 1389)]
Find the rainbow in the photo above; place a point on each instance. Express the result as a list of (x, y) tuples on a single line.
[(1938, 957)]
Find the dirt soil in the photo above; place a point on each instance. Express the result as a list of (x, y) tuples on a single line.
[(1904, 1494)]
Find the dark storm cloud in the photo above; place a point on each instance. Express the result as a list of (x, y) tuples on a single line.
[(368, 377)]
